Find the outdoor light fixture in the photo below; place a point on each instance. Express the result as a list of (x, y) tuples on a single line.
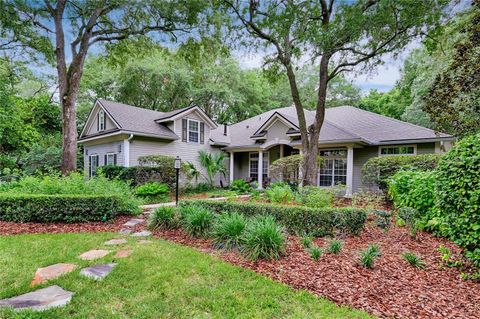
[(177, 164)]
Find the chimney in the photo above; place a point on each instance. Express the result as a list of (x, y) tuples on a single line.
[(225, 129)]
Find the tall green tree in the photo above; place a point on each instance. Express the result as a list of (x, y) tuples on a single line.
[(336, 36), (55, 28)]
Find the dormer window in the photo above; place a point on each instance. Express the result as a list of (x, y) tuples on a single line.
[(101, 121), (193, 131)]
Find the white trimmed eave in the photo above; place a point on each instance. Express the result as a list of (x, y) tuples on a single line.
[(97, 137), (271, 120), (180, 115), (419, 140), (90, 117)]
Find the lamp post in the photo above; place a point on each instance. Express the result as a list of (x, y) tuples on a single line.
[(177, 164)]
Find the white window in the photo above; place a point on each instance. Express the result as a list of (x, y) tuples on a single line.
[(334, 168), (397, 150), (253, 167), (193, 131), (101, 121), (92, 165), (110, 159)]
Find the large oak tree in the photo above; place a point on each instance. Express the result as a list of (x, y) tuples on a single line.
[(335, 36), (64, 31)]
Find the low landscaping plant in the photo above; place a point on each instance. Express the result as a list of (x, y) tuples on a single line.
[(315, 197), (369, 255), (264, 238), (368, 199), (335, 246), (382, 219), (163, 218), (414, 260), (280, 193), (228, 230), (410, 217), (153, 192), (240, 186), (307, 241), (316, 252), (296, 219), (197, 221)]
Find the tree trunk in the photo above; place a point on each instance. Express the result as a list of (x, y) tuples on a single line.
[(69, 130)]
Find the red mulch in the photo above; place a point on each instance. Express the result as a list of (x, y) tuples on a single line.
[(9, 228), (392, 289)]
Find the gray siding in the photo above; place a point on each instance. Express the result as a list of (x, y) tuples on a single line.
[(93, 124), (360, 156), (101, 150)]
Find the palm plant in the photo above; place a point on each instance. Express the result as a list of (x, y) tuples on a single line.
[(213, 164)]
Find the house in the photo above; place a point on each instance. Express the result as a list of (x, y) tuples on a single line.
[(119, 134)]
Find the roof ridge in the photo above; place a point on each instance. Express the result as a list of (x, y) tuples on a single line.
[(128, 105)]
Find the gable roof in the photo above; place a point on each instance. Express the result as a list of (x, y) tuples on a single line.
[(175, 114)]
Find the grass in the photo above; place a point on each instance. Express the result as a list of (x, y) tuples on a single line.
[(159, 280)]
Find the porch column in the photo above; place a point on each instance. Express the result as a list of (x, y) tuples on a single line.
[(349, 190), (281, 150), (260, 169), (231, 167)]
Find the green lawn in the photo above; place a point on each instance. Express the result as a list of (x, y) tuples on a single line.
[(159, 280)]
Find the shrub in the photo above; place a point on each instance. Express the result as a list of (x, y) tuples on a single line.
[(197, 188), (378, 170), (458, 195), (296, 219), (316, 252), (151, 189), (306, 241), (197, 221), (228, 229), (335, 246), (414, 189), (49, 208), (75, 184), (315, 197), (414, 260), (383, 219), (369, 255), (240, 186), (368, 199), (410, 217), (162, 218), (264, 238), (287, 168), (280, 193)]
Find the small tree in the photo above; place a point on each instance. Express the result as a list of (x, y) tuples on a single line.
[(213, 164)]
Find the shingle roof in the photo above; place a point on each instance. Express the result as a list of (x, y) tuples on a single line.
[(136, 119)]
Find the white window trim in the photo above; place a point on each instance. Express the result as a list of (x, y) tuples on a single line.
[(113, 158), (90, 173), (390, 146), (188, 131), (335, 157), (266, 156), (101, 124)]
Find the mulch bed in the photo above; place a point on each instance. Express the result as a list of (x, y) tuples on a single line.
[(9, 228), (392, 289)]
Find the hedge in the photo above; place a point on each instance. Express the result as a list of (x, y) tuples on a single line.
[(378, 170), (296, 219), (57, 208), (139, 175)]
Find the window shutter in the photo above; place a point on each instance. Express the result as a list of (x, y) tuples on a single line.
[(202, 132), (89, 166), (105, 160), (114, 159), (98, 121), (184, 130), (104, 121)]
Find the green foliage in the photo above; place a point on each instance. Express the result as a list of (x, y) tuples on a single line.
[(197, 188), (335, 246), (151, 189), (369, 255), (66, 208), (280, 193), (391, 103), (228, 230), (163, 217), (316, 252), (287, 168), (296, 219), (458, 195), (75, 184), (414, 260), (307, 241), (264, 238), (410, 216), (315, 197), (378, 170), (368, 199), (213, 164), (196, 220), (240, 186), (383, 219), (411, 188)]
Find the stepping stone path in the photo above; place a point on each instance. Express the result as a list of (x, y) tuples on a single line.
[(41, 299), (144, 241), (94, 254), (123, 253), (118, 241), (51, 272), (133, 222), (144, 233), (125, 231), (97, 272)]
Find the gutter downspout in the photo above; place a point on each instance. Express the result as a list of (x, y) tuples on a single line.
[(126, 151)]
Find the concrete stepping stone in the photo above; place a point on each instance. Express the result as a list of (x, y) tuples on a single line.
[(97, 272), (94, 254), (117, 241), (51, 272), (144, 241), (123, 253), (53, 296), (144, 233), (125, 231), (133, 222)]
